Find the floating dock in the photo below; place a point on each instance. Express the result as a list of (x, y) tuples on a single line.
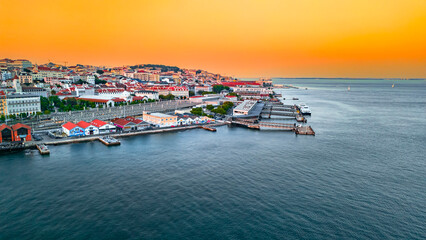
[(301, 118), (43, 149), (304, 130), (109, 141)]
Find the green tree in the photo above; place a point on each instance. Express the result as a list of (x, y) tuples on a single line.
[(197, 111), (227, 105), (210, 107), (100, 72), (219, 88), (44, 103)]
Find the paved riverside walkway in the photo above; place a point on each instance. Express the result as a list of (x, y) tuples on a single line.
[(125, 134), (109, 113)]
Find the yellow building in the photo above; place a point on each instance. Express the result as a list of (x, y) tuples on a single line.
[(160, 119), (3, 104), (25, 78)]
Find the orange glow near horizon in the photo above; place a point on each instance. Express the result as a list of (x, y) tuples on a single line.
[(277, 38)]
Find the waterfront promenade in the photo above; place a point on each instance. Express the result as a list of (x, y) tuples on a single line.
[(126, 134), (104, 114)]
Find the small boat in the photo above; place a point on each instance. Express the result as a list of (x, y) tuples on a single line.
[(305, 110), (295, 98), (349, 88), (393, 85)]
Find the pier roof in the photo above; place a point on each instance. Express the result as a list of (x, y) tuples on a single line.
[(69, 125), (98, 123), (20, 125), (83, 124)]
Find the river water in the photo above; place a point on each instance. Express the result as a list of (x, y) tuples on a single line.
[(363, 176)]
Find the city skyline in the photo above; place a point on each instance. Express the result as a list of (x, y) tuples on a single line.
[(379, 39)]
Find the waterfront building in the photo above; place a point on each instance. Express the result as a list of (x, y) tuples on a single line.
[(103, 126), (139, 124), (18, 103), (6, 133), (89, 129), (124, 125), (21, 132), (72, 130), (245, 107), (192, 119), (160, 119)]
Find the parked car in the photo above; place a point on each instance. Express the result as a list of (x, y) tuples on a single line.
[(37, 137)]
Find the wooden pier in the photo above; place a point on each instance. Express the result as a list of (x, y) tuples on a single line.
[(301, 118), (208, 128), (304, 130), (43, 149)]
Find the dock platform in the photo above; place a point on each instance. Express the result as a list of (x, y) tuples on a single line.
[(304, 130), (43, 149), (109, 141), (208, 128)]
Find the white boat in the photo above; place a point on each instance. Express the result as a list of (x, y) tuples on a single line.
[(305, 110), (300, 105), (349, 88)]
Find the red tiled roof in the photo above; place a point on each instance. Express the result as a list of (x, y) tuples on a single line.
[(94, 100), (136, 98), (20, 125), (3, 126), (118, 100), (121, 122), (137, 121), (69, 125), (98, 123), (83, 124)]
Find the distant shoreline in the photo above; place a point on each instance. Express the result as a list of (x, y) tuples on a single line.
[(321, 78)]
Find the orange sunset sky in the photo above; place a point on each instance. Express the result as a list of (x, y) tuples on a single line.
[(297, 38)]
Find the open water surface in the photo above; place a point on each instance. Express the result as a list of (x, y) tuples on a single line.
[(363, 176)]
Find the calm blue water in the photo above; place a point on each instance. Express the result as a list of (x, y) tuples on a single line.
[(363, 176)]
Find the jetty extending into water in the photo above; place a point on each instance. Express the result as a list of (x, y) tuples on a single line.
[(272, 110), (109, 141), (43, 149), (208, 128)]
